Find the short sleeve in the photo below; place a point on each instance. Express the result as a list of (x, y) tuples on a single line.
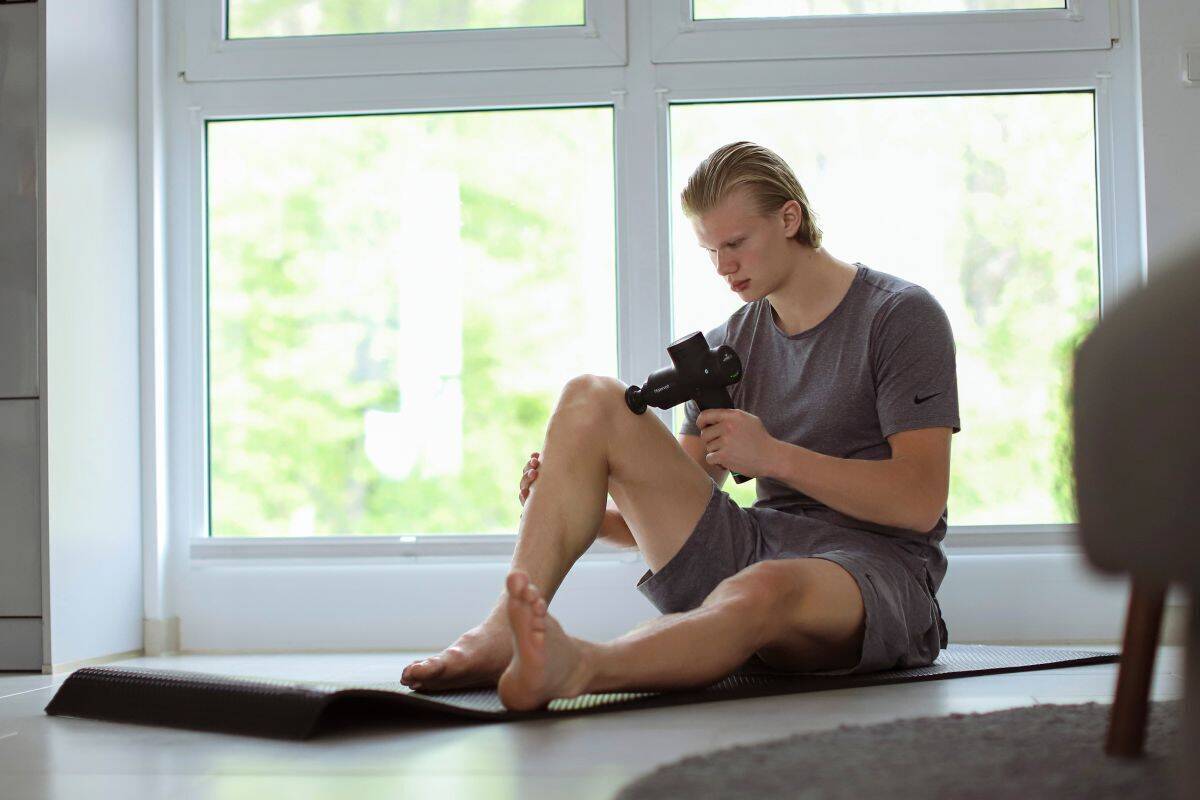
[(913, 359), (691, 408)]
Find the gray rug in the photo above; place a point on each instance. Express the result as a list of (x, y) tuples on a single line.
[(1050, 751)]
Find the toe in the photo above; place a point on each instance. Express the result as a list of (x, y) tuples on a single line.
[(539, 607), (424, 668)]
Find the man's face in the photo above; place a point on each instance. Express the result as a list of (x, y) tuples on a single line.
[(747, 249)]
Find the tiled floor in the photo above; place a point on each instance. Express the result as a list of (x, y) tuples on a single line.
[(578, 758)]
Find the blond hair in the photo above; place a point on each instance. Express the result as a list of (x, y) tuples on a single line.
[(767, 177)]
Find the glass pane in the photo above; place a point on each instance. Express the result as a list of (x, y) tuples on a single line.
[(395, 303), (989, 202), (266, 18), (727, 9)]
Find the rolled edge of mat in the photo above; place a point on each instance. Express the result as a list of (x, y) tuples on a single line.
[(190, 700)]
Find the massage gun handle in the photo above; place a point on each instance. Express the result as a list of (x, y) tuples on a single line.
[(718, 397)]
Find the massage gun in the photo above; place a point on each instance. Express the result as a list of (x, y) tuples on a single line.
[(697, 373)]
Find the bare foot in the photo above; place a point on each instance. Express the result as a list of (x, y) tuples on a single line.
[(477, 658), (546, 663)]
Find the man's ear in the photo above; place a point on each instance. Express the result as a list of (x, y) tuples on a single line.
[(793, 215)]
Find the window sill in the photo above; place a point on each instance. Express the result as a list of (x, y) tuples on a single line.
[(414, 549), (488, 548)]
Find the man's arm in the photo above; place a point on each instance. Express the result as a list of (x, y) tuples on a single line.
[(908, 490)]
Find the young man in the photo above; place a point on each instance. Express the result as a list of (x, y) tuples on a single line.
[(844, 415)]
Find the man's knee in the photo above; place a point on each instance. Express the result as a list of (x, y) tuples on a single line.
[(594, 397), (755, 592), (789, 597), (813, 611)]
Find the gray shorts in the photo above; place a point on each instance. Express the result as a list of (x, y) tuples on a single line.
[(904, 626)]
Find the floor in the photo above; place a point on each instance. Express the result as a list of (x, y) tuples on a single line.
[(578, 758)]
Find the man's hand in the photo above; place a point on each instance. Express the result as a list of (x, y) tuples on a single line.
[(737, 441)]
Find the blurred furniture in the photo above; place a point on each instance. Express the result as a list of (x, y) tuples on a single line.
[(1137, 469)]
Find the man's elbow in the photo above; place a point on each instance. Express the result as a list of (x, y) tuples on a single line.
[(923, 527), (927, 499), (929, 516)]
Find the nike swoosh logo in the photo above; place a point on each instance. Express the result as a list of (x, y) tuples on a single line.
[(918, 399)]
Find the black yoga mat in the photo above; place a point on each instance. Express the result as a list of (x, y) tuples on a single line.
[(297, 709)]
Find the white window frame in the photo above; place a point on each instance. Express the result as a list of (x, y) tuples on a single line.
[(210, 56), (1080, 25), (186, 568)]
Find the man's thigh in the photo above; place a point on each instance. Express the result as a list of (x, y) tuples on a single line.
[(660, 490)]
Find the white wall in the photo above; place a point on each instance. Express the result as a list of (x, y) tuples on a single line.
[(92, 516), (1170, 129)]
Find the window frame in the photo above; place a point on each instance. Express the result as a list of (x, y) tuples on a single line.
[(210, 56), (640, 94), (1081, 25)]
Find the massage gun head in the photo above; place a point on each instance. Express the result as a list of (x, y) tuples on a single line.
[(696, 369), (633, 399)]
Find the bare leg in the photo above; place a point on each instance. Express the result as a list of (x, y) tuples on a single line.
[(559, 522), (674, 651)]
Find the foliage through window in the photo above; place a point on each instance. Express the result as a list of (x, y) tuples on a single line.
[(395, 302), (729, 9), (271, 18), (989, 202)]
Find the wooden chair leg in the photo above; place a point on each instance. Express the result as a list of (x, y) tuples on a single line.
[(1127, 724)]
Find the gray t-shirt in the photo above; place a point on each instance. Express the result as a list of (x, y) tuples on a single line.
[(881, 362)]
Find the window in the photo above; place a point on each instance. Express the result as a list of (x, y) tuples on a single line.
[(262, 39), (736, 30), (989, 202), (729, 9), (267, 18), (392, 237), (395, 302)]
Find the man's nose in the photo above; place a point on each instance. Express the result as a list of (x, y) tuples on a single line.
[(726, 265)]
